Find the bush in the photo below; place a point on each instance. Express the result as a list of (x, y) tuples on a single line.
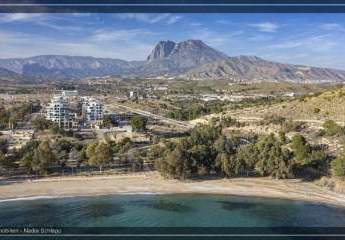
[(292, 126), (338, 165), (332, 128), (316, 110), (273, 119), (138, 123)]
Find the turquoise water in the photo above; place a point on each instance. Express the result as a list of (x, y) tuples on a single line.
[(180, 210)]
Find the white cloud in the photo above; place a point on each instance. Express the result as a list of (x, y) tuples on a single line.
[(121, 45), (122, 34), (17, 17), (332, 27), (265, 26), (214, 38), (173, 19), (42, 20), (165, 18), (319, 43)]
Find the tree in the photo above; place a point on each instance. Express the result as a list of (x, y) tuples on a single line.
[(42, 158), (273, 159), (3, 146), (249, 155), (331, 128), (40, 123), (99, 154), (62, 149), (2, 160), (283, 165), (338, 165), (177, 163), (229, 165), (301, 148), (26, 161), (138, 123), (76, 155)]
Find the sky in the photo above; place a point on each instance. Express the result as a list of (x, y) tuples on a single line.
[(308, 39)]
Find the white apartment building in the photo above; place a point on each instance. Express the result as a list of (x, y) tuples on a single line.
[(57, 112), (64, 112), (92, 110)]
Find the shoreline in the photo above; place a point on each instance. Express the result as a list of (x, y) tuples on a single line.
[(153, 183)]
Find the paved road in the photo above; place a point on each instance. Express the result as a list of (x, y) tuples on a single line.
[(151, 115)]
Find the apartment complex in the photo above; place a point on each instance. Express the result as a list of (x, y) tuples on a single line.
[(58, 112), (64, 111), (92, 111)]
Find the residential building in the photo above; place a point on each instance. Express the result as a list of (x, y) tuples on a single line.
[(93, 110), (57, 112)]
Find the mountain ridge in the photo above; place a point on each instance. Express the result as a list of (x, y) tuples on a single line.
[(191, 59), (253, 68)]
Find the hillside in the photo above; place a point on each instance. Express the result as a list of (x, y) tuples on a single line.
[(327, 105), (252, 68), (9, 76)]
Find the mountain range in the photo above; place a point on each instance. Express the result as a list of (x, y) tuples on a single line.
[(191, 59)]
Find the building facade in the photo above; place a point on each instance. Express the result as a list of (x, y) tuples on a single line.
[(63, 111), (58, 112)]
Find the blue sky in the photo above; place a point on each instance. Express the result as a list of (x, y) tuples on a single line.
[(309, 39)]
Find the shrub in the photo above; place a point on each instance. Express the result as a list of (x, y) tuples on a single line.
[(338, 165), (332, 128), (316, 110)]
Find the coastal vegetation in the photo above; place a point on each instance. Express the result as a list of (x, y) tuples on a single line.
[(207, 151)]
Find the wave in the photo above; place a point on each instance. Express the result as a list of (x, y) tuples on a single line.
[(87, 195), (27, 198)]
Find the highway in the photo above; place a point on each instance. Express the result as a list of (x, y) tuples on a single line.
[(182, 124)]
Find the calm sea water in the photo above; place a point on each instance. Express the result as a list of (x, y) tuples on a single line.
[(180, 210)]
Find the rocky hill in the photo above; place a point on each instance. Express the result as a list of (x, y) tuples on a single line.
[(170, 58)]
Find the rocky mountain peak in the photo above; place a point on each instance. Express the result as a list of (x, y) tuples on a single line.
[(161, 50)]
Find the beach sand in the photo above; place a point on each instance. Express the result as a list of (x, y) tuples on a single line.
[(152, 182)]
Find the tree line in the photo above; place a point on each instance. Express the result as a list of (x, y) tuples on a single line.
[(207, 151), (47, 157)]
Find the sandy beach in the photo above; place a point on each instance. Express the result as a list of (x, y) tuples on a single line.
[(151, 182)]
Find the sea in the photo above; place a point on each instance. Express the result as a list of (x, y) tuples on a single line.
[(168, 216)]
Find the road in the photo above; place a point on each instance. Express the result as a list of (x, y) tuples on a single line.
[(182, 124), (191, 125), (315, 121)]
